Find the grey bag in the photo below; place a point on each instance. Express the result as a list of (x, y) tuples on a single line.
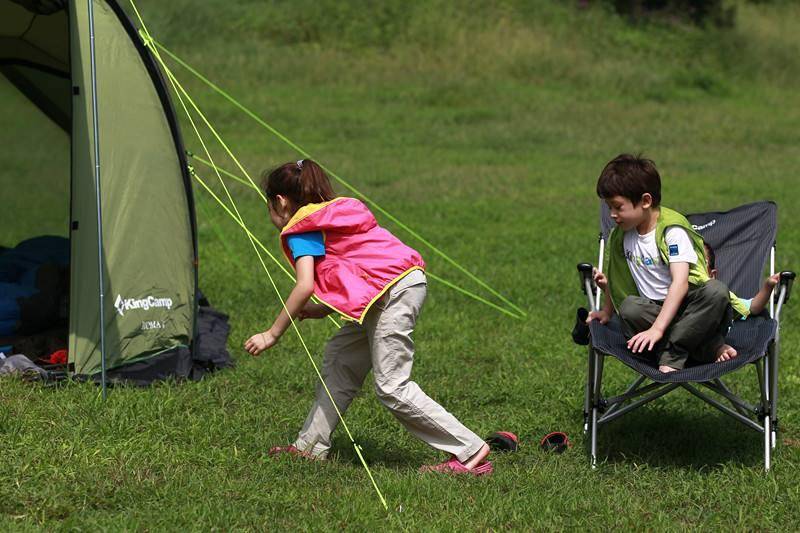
[(20, 365)]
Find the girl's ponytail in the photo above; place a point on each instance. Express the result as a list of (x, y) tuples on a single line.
[(315, 186), (303, 182)]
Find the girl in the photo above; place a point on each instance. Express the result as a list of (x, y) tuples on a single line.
[(367, 275)]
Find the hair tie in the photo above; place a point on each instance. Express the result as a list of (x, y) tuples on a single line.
[(300, 164)]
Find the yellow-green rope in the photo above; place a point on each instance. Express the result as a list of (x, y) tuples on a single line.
[(148, 42), (433, 276), (350, 187)]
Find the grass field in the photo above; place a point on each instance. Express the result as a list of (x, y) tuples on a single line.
[(484, 128)]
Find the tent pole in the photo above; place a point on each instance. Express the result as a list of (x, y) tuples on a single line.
[(97, 199)]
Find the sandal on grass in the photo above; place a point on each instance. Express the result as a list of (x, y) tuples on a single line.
[(454, 466), (291, 450), (503, 441)]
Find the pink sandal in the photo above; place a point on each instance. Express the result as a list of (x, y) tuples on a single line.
[(454, 466), (291, 450)]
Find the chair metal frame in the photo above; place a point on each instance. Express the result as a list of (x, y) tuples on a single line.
[(761, 417)]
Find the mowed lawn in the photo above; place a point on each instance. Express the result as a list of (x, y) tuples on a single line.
[(484, 131)]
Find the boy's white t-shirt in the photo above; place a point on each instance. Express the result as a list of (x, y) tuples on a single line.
[(650, 273)]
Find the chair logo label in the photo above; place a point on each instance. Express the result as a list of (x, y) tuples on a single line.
[(704, 226), (144, 304)]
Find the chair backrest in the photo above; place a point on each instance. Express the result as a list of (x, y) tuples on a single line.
[(741, 239)]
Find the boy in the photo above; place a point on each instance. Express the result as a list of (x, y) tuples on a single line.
[(657, 277)]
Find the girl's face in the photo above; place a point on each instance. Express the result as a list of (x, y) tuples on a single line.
[(280, 211)]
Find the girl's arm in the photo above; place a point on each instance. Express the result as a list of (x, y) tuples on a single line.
[(301, 293)]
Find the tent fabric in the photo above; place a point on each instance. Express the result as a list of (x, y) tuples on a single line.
[(175, 363), (34, 55), (44, 7), (148, 241), (750, 337), (149, 245), (210, 354)]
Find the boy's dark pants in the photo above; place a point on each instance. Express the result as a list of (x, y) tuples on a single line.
[(697, 331)]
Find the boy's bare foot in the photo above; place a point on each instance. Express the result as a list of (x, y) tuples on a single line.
[(478, 458), (725, 353), (664, 369)]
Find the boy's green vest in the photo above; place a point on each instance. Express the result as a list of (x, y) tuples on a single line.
[(620, 280)]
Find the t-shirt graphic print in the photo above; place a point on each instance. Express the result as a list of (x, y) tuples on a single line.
[(650, 273)]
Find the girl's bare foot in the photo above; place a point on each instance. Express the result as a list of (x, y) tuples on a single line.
[(478, 458), (664, 369), (725, 353)]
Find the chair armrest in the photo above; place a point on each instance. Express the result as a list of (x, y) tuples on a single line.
[(787, 280), (585, 272), (587, 284)]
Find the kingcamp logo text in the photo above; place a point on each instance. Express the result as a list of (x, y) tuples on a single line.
[(704, 226), (128, 304)]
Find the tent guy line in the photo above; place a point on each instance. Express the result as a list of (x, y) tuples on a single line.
[(179, 90), (345, 183), (235, 255), (183, 97), (176, 86), (431, 275)]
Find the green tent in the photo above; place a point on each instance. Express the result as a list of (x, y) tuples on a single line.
[(69, 58)]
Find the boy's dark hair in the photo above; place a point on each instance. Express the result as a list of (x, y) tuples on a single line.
[(630, 176), (303, 182)]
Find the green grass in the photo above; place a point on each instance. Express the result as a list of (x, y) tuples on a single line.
[(485, 129)]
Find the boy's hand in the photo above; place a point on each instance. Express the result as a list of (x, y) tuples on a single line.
[(600, 279), (260, 342), (602, 316), (645, 340), (312, 310), (771, 281)]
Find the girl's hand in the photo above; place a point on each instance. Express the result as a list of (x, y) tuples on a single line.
[(260, 342), (312, 310)]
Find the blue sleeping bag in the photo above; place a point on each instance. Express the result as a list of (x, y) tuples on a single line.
[(19, 267)]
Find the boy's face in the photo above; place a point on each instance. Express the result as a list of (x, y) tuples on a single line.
[(627, 215)]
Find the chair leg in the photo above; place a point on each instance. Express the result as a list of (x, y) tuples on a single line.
[(588, 391), (590, 419), (596, 388), (773, 392), (594, 438), (764, 382), (767, 442)]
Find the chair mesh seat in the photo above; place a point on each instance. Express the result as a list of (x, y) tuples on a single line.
[(750, 338)]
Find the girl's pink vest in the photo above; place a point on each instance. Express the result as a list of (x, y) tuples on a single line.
[(362, 260)]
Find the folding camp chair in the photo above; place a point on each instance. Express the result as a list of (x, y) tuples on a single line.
[(743, 239)]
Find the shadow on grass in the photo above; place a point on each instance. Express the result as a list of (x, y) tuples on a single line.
[(680, 439), (375, 453)]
